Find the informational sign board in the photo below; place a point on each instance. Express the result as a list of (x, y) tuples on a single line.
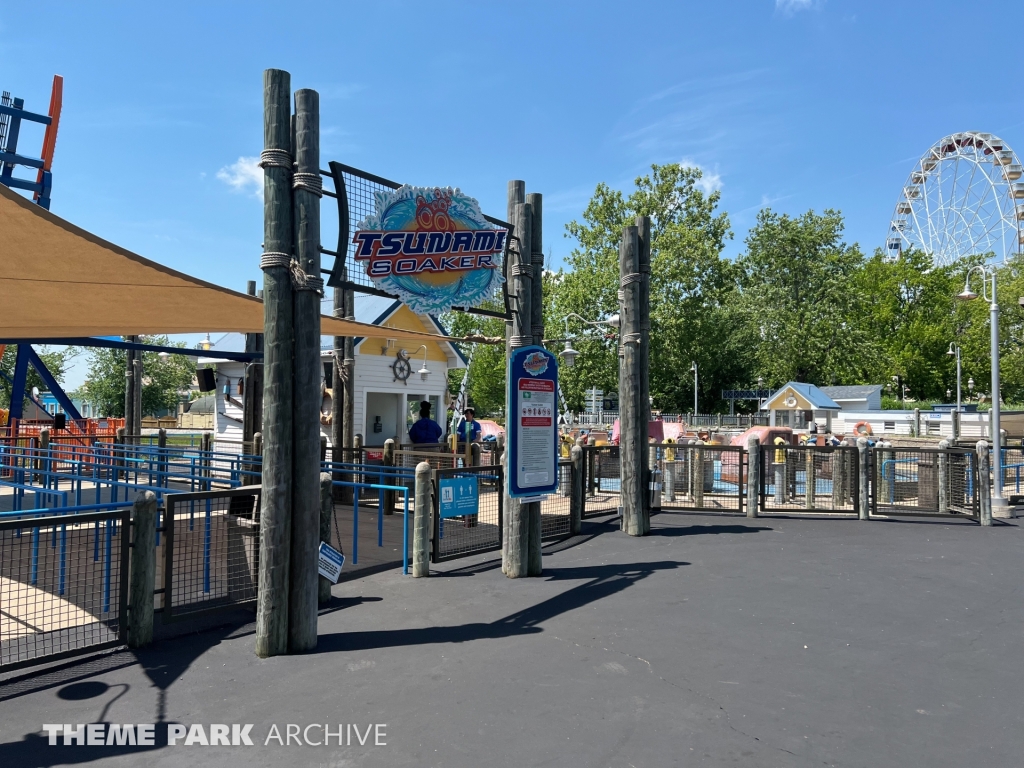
[(330, 561), (532, 423), (459, 496)]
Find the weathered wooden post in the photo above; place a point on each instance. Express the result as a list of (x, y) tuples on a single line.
[(943, 478), (326, 512), (956, 425), (753, 475), (252, 388), (809, 478), (388, 460), (643, 267), (864, 478), (576, 498), (517, 558), (308, 287), (206, 445), (278, 339), (632, 449), (120, 463), (917, 422), (44, 449), (984, 483), (839, 493), (142, 571), (669, 474), (698, 473), (421, 523), (257, 448)]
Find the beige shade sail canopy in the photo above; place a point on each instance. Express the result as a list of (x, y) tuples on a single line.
[(59, 281)]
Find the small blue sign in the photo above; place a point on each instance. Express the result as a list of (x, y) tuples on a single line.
[(329, 562), (459, 496)]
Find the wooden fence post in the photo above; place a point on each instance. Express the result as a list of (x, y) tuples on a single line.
[(44, 450), (576, 499), (984, 483), (943, 479), (278, 380), (119, 454), (864, 478), (421, 521), (809, 478), (753, 475), (326, 513), (698, 473), (161, 443), (142, 571)]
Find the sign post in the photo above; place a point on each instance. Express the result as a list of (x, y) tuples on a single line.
[(532, 424)]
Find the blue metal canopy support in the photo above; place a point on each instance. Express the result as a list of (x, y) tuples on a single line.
[(52, 383), (18, 385)]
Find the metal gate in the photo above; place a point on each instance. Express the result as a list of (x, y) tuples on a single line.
[(700, 477), (211, 551), (601, 483), (924, 482), (63, 586), (462, 535), (809, 478)]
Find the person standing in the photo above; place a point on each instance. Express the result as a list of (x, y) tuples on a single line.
[(469, 428), (425, 431)]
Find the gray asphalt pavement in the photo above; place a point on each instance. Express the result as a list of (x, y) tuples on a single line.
[(716, 641)]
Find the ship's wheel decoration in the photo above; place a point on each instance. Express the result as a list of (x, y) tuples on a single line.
[(402, 368)]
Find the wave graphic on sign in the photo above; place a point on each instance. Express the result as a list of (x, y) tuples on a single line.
[(451, 255)]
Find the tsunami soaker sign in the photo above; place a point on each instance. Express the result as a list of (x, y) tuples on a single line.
[(533, 436), (431, 247)]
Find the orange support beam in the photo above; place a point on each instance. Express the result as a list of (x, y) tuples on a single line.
[(50, 136)]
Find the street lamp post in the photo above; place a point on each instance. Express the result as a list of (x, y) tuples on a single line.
[(988, 291), (954, 351)]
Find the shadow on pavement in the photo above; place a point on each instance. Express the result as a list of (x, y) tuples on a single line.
[(604, 580), (704, 530)]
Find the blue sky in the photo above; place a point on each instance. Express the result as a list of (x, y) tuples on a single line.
[(793, 104)]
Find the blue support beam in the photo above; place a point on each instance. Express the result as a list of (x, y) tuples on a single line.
[(18, 385), (52, 384), (96, 341)]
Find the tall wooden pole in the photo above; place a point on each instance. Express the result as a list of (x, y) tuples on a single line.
[(632, 448), (521, 272), (252, 397), (535, 200), (129, 389), (516, 196), (643, 227), (278, 337), (304, 577)]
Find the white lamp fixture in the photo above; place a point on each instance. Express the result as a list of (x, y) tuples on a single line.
[(568, 354), (164, 356), (423, 371)]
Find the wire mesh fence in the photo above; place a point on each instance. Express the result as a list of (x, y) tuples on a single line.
[(211, 551), (555, 509), (601, 484), (700, 477), (63, 585), (457, 533), (809, 478), (924, 481), (1013, 474)]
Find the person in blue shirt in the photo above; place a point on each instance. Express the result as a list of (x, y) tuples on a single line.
[(468, 426), (425, 431)]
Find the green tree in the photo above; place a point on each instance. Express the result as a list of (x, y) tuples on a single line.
[(690, 287), (162, 383), (487, 362), (56, 360), (798, 301)]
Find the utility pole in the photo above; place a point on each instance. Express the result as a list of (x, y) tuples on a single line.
[(632, 430), (643, 227), (535, 202)]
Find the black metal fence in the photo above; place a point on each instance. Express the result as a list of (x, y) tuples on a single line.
[(211, 547), (809, 478), (700, 477), (601, 481), (555, 512), (925, 482), (63, 586), (460, 535)]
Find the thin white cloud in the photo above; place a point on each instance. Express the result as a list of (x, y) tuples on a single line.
[(710, 181), (243, 175), (792, 6)]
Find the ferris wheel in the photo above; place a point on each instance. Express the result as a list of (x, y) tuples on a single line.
[(964, 197)]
